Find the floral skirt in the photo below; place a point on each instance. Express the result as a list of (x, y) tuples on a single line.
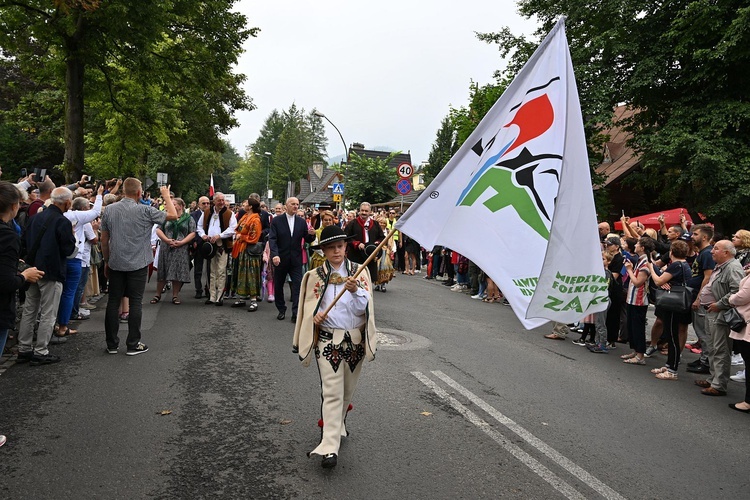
[(247, 281)]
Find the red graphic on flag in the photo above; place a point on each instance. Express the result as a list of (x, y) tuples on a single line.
[(533, 119), (211, 187)]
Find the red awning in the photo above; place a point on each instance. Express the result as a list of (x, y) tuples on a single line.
[(671, 218)]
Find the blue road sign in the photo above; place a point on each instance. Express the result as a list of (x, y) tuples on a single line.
[(338, 188), (403, 186)]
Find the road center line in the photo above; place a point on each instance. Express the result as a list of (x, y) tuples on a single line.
[(511, 448), (537, 443)]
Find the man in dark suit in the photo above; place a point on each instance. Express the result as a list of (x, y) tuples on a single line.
[(365, 234), (285, 241), (203, 204)]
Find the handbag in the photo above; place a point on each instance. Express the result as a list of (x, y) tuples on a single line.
[(255, 249), (96, 258), (734, 319), (678, 298)]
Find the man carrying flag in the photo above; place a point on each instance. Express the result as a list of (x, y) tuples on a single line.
[(517, 189)]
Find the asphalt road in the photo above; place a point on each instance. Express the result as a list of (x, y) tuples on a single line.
[(460, 402)]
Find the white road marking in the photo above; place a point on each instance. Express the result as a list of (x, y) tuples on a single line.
[(537, 443), (511, 448)]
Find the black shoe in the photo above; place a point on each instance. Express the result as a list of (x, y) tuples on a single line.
[(139, 349), (24, 357), (699, 369), (208, 302), (239, 303), (281, 316), (449, 282), (198, 294), (694, 364), (43, 359), (329, 461), (111, 350), (294, 318), (55, 340), (219, 302)]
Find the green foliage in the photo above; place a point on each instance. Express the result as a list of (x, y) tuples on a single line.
[(295, 140), (250, 176), (466, 118), (369, 179), (442, 149), (154, 76)]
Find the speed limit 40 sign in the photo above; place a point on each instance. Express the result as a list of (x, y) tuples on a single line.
[(405, 170)]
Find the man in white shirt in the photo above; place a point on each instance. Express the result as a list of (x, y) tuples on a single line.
[(217, 226)]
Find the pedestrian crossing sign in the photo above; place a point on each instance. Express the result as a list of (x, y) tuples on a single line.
[(338, 188)]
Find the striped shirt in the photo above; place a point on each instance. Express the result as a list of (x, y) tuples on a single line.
[(638, 295), (129, 226)]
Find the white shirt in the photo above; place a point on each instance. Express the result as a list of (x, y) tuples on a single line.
[(85, 251), (214, 226), (290, 220), (349, 312), (79, 218)]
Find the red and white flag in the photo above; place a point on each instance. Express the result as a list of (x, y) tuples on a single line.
[(211, 187)]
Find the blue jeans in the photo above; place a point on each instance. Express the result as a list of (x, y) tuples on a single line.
[(72, 277), (3, 339), (79, 292), (461, 279)]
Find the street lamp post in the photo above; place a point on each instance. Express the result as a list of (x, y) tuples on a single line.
[(346, 152), (268, 169)]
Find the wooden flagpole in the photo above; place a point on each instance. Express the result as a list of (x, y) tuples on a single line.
[(361, 267)]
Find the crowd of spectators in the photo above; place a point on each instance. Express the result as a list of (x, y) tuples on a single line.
[(641, 263), (56, 267)]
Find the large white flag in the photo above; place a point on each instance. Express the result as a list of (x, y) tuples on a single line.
[(517, 200)]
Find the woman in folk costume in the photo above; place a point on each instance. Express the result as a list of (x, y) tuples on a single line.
[(317, 258), (247, 252), (340, 340), (385, 261)]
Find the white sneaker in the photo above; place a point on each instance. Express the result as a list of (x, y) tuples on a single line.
[(737, 360), (477, 296), (84, 312), (740, 377), (456, 288)]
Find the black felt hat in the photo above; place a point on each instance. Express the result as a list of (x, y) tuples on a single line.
[(331, 234), (208, 249)]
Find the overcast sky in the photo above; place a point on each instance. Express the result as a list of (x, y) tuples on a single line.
[(384, 72)]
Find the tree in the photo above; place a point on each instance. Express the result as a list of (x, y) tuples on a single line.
[(250, 176), (177, 55), (459, 124), (370, 179), (294, 139), (27, 140), (290, 158), (442, 149), (682, 65)]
